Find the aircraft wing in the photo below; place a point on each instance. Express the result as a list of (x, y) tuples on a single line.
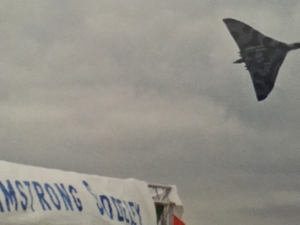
[(264, 75), (246, 36)]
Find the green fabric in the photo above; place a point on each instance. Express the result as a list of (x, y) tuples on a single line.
[(159, 211)]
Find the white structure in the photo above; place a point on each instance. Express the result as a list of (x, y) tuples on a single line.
[(32, 195), (167, 197)]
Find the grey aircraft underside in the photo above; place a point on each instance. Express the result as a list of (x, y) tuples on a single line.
[(262, 55)]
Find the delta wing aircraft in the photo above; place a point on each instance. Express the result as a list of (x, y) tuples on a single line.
[(262, 55)]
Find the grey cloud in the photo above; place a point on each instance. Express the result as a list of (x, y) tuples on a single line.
[(285, 213), (148, 90)]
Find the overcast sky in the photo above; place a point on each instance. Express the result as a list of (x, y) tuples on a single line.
[(147, 89)]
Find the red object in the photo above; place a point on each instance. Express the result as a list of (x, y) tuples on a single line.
[(177, 221)]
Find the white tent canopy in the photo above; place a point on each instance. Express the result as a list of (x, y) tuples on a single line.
[(32, 195)]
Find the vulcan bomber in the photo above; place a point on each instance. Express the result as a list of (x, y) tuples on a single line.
[(262, 55)]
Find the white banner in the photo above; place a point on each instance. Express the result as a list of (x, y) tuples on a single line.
[(32, 195)]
